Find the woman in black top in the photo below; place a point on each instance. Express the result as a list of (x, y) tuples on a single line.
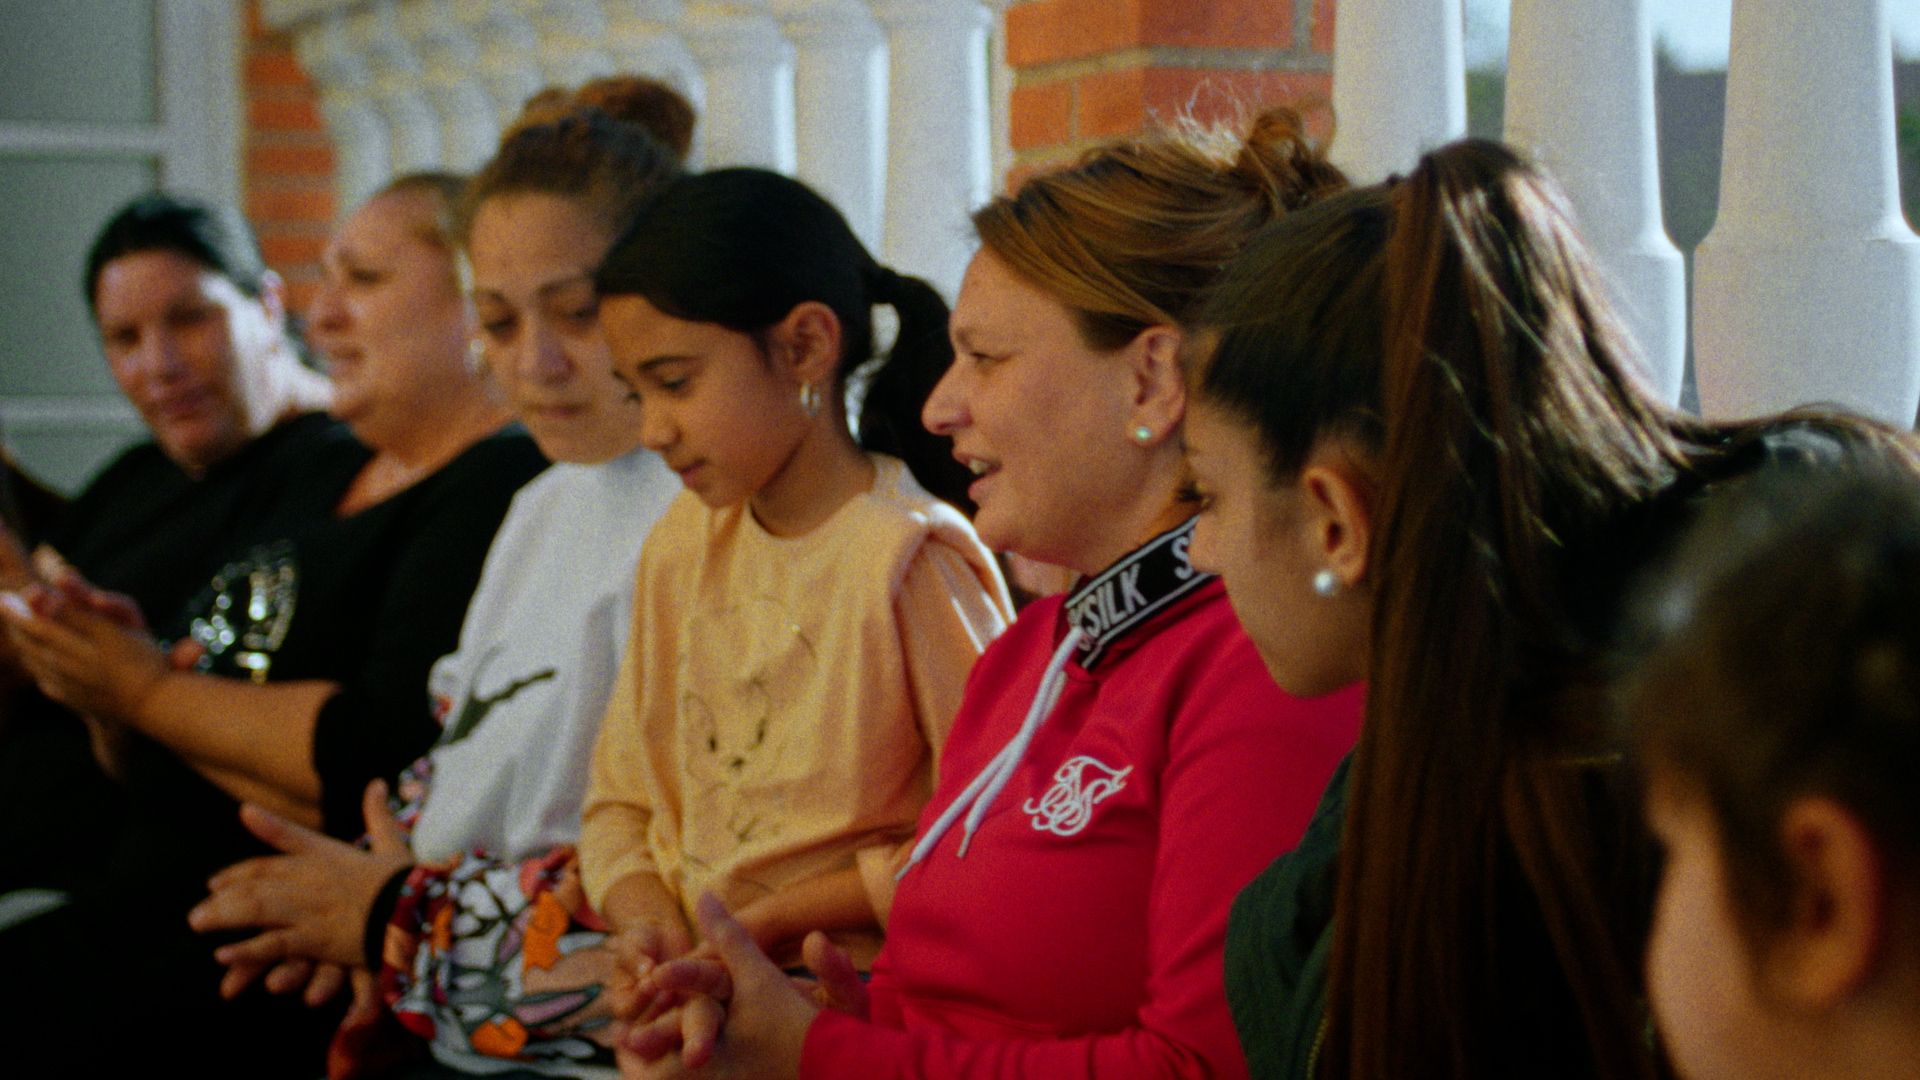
[(310, 644)]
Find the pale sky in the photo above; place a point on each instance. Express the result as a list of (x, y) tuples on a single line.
[(1694, 32)]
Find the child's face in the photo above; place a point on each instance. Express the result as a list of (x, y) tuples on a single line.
[(1701, 976), (711, 404)]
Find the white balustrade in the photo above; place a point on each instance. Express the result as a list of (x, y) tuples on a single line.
[(572, 36), (450, 57), (840, 106), (509, 53), (938, 154), (748, 68), (413, 128), (343, 78), (1580, 101), (1399, 83), (643, 37), (1808, 287)]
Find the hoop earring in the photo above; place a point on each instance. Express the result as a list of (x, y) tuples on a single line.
[(1326, 584), (809, 400)]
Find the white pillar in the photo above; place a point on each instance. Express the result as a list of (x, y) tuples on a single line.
[(343, 80), (1580, 101), (938, 133), (572, 36), (840, 106), (469, 126), (509, 53), (1808, 287), (643, 38), (413, 128), (748, 67), (1399, 83)]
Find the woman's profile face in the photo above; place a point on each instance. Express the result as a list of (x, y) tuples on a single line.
[(1261, 538), (190, 351), (1042, 419), (390, 319), (533, 259)]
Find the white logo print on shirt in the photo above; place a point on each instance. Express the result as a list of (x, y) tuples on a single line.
[(1065, 808)]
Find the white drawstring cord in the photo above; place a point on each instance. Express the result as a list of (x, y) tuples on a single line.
[(983, 789)]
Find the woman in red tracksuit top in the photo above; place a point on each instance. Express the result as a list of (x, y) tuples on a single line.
[(1122, 763)]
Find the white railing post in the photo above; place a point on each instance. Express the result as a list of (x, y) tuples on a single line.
[(450, 58), (748, 68), (938, 134), (1399, 83), (413, 129), (1808, 287), (572, 36), (644, 38), (344, 83), (840, 95), (509, 54), (1580, 101)]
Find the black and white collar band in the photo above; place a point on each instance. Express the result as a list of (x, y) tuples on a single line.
[(1112, 603)]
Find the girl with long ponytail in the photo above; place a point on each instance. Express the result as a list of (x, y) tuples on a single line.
[(809, 607), (1456, 504)]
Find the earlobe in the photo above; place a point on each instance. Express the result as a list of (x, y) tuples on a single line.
[(273, 299), (1838, 922)]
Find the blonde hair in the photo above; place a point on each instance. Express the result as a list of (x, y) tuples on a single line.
[(1131, 234), (442, 191)]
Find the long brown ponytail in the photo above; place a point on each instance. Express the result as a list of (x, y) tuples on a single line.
[(1515, 437)]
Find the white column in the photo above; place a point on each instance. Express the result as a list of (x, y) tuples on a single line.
[(413, 127), (572, 36), (748, 67), (643, 38), (450, 59), (1580, 101), (938, 133), (343, 80), (840, 106), (1399, 83), (509, 53), (1808, 287)]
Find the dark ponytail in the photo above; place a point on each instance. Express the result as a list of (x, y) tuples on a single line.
[(899, 388), (743, 247)]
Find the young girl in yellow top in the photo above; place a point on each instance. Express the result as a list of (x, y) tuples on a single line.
[(806, 612)]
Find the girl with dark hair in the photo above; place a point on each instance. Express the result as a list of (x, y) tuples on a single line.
[(1431, 464), (1778, 724), (1121, 764), (806, 612), (487, 952)]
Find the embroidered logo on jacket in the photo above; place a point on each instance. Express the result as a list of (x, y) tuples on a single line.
[(1065, 808)]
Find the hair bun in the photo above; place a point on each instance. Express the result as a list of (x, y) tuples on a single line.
[(648, 104), (1278, 161)]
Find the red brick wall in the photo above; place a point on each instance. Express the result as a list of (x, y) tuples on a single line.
[(288, 172), (1088, 70)]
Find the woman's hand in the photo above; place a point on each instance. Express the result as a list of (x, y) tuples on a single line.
[(313, 901), (77, 644), (729, 982)]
